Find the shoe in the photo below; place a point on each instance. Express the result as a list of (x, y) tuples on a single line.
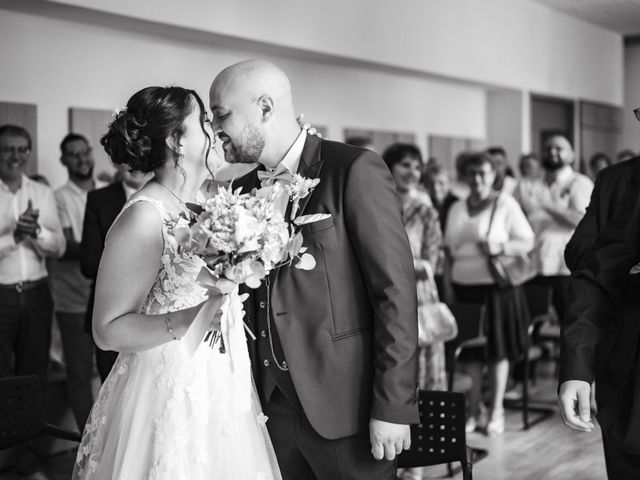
[(514, 394), (495, 426), (39, 475), (471, 425)]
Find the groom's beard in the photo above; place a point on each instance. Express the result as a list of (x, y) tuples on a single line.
[(247, 149)]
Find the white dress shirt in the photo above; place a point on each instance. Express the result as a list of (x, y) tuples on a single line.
[(70, 288), (570, 191), (25, 261), (290, 162)]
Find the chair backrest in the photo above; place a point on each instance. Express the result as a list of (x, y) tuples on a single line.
[(440, 437), (21, 410), (539, 299)]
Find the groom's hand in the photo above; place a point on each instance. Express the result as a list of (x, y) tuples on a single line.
[(388, 439)]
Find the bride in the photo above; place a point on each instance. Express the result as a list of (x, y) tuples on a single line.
[(164, 411)]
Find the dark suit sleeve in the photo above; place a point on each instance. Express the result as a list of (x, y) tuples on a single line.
[(595, 287), (374, 221), (585, 234), (92, 242)]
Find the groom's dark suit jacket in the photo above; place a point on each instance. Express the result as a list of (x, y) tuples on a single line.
[(348, 328), (601, 332)]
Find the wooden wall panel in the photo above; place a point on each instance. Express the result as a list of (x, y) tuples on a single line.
[(381, 139), (93, 124), (24, 115)]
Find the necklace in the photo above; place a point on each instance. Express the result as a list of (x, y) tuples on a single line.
[(181, 203)]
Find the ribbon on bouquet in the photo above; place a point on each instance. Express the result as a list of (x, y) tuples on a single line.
[(231, 327)]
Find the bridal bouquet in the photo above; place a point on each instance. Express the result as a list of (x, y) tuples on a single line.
[(242, 237)]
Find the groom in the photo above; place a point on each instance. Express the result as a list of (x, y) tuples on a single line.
[(335, 358)]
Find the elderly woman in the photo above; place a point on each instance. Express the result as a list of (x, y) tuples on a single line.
[(425, 237), (471, 236)]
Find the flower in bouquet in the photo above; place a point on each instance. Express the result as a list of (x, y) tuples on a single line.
[(242, 237)]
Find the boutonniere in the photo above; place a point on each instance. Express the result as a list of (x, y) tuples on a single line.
[(298, 189)]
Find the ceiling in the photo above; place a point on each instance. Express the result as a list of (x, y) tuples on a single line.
[(622, 16)]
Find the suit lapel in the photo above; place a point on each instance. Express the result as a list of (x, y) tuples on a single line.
[(310, 165)]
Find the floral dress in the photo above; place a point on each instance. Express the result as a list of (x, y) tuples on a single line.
[(164, 413), (425, 239)]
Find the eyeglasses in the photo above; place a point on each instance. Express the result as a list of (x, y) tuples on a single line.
[(80, 154), (636, 112), (7, 150)]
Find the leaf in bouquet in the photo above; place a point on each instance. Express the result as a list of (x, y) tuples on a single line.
[(295, 245), (306, 219), (194, 207), (307, 262), (303, 249), (182, 236)]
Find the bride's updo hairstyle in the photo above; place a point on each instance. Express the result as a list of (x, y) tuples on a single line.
[(136, 137)]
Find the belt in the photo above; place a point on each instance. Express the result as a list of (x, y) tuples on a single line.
[(23, 286)]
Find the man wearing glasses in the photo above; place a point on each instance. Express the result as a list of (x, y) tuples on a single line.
[(29, 232), (70, 288), (601, 332)]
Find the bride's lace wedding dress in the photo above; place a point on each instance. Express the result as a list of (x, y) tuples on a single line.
[(167, 414)]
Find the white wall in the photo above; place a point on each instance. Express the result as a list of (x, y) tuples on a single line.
[(517, 44), (66, 63), (508, 123), (631, 132)]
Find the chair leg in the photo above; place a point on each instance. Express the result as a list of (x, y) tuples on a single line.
[(525, 393), (450, 470)]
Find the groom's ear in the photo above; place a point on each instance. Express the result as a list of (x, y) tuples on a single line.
[(265, 102)]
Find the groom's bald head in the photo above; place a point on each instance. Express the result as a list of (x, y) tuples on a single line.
[(248, 82), (253, 111)]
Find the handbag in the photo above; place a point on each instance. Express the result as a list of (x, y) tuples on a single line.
[(436, 323), (508, 270)]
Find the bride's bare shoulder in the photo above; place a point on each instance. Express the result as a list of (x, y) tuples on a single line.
[(141, 221)]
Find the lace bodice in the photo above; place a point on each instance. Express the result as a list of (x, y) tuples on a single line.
[(175, 287)]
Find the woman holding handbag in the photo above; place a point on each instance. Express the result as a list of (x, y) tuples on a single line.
[(425, 238), (488, 240)]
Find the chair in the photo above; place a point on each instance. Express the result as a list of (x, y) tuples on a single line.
[(440, 437), (539, 300), (470, 320), (22, 413)]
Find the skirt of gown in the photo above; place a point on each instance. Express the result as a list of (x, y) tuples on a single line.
[(165, 414)]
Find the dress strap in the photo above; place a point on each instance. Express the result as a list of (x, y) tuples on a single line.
[(144, 198), (137, 199)]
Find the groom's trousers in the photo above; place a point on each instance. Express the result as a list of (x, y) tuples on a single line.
[(303, 454)]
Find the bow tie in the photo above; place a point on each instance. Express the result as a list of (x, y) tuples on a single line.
[(280, 174)]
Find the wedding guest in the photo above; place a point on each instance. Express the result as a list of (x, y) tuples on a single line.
[(624, 155), (336, 351), (425, 238), (472, 235), (554, 216), (505, 181), (70, 288), (30, 232), (530, 189), (598, 162), (102, 208), (438, 185)]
